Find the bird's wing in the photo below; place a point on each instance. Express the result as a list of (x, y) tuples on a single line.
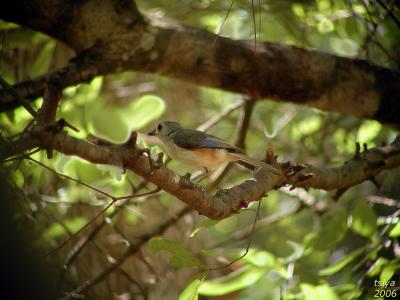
[(194, 139)]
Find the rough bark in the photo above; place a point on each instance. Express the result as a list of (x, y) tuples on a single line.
[(112, 35), (224, 202)]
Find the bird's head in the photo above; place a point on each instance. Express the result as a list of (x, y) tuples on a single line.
[(164, 130)]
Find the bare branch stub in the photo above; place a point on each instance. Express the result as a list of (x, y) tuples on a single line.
[(271, 159), (354, 171), (358, 151), (51, 99), (160, 158), (131, 142)]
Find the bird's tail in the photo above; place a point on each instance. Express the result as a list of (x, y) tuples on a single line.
[(256, 163)]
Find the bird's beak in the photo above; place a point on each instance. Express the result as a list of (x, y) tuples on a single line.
[(152, 133)]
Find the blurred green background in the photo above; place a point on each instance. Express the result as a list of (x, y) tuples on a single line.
[(307, 245)]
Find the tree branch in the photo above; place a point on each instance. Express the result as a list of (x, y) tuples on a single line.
[(80, 69), (128, 41), (363, 166), (224, 202), (218, 206)]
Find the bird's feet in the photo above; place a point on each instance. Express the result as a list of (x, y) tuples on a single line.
[(154, 165)]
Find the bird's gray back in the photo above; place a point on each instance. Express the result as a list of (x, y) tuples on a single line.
[(194, 139)]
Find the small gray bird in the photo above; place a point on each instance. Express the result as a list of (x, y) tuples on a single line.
[(201, 150)]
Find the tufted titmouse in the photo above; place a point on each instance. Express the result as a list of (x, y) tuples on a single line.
[(201, 150)]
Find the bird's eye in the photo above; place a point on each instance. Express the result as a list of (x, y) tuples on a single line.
[(159, 127)]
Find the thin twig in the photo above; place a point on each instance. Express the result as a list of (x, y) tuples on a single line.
[(155, 191), (130, 251), (266, 221), (71, 178), (390, 11), (259, 25), (2, 48), (225, 18), (21, 156), (217, 118), (244, 123), (383, 200), (83, 242), (253, 10), (21, 100), (134, 282), (253, 227), (101, 212)]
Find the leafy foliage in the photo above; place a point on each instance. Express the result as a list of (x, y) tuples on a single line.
[(181, 257)]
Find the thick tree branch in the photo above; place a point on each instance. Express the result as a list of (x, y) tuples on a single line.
[(224, 202), (221, 205), (128, 41), (80, 69)]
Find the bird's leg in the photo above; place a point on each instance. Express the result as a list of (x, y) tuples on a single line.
[(204, 173)]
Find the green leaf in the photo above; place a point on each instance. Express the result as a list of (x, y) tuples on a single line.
[(108, 123), (90, 92), (57, 230), (42, 62), (388, 272), (143, 111), (181, 257), (245, 277), (298, 251), (82, 170), (227, 225), (191, 292), (306, 127), (212, 22), (376, 268), (336, 267), (348, 291), (7, 25), (333, 229), (260, 258), (395, 232), (206, 223), (318, 292), (325, 25), (298, 10), (368, 131), (363, 219), (344, 46)]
